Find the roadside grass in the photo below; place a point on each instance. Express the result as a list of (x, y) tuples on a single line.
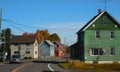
[(76, 64)]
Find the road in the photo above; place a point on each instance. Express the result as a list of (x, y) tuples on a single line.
[(6, 67), (43, 65), (39, 65)]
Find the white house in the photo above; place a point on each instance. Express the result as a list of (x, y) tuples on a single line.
[(26, 46)]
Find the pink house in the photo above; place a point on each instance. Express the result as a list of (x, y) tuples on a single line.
[(59, 51)]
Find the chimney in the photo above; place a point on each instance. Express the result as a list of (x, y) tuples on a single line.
[(99, 11)]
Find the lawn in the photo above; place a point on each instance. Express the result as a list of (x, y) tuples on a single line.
[(76, 64)]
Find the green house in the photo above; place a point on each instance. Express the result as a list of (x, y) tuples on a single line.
[(99, 40)]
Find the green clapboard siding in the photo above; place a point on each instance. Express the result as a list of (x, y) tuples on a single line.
[(104, 42), (99, 24)]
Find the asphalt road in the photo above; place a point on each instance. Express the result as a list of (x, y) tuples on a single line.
[(39, 65), (43, 65), (6, 67)]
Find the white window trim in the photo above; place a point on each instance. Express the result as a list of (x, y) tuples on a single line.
[(90, 51), (110, 51), (96, 34), (110, 35)]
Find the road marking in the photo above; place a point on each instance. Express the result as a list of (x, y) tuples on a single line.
[(50, 67), (15, 70)]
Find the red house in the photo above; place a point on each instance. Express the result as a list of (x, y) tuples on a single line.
[(59, 51)]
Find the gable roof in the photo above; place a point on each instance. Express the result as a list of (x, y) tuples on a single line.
[(57, 43), (95, 18), (23, 39), (48, 42)]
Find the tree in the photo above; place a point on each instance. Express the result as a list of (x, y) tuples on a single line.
[(44, 35), (25, 34), (6, 39), (55, 37)]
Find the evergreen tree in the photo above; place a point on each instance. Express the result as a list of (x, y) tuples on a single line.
[(6, 38)]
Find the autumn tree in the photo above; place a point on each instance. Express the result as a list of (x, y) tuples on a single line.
[(25, 34), (40, 35), (44, 35), (54, 37)]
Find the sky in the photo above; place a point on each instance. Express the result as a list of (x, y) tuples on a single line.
[(64, 17)]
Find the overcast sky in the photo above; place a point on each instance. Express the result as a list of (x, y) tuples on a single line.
[(64, 17)]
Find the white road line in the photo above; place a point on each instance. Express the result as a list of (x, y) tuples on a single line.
[(50, 67)]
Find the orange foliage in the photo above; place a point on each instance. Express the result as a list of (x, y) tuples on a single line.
[(25, 34), (42, 35)]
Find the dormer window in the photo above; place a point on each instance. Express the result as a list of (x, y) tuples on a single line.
[(104, 19)]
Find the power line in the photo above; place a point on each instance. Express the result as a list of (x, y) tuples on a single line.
[(15, 26), (105, 3), (9, 21), (18, 23), (18, 28)]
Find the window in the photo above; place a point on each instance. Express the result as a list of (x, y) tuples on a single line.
[(112, 34), (96, 51), (27, 44), (36, 52), (16, 52), (27, 52), (36, 44), (104, 20), (97, 34), (19, 47), (112, 51)]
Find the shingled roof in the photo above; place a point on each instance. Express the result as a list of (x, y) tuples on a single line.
[(23, 39)]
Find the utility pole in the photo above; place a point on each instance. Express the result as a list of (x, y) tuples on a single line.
[(1, 31), (0, 22), (105, 4)]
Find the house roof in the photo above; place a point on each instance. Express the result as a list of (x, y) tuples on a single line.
[(57, 43), (95, 18), (23, 39), (49, 42)]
